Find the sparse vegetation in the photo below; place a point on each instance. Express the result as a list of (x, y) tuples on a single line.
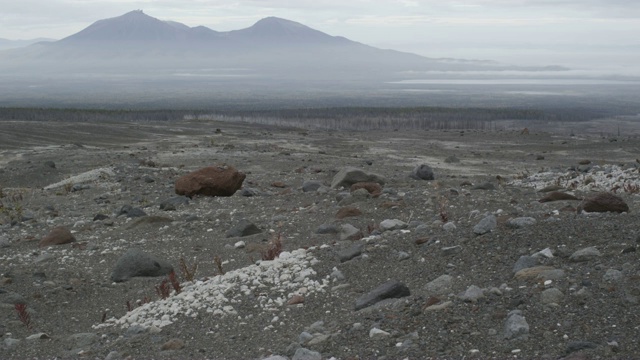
[(218, 261), (273, 249), (174, 282), (188, 272), (24, 315)]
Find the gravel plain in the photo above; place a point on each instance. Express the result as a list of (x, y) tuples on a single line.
[(558, 284)]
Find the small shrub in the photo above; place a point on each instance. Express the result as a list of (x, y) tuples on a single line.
[(163, 290), (273, 249), (174, 282), (442, 210), (68, 187), (188, 272), (218, 261), (24, 315)]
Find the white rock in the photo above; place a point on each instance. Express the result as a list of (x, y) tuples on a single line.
[(375, 332)]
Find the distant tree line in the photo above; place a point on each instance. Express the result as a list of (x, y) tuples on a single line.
[(330, 118)]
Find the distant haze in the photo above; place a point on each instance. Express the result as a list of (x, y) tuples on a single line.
[(586, 34)]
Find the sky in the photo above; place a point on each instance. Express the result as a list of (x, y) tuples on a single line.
[(604, 33)]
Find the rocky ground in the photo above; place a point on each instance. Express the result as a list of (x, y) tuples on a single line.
[(469, 265)]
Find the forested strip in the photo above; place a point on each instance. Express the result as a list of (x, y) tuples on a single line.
[(335, 118)]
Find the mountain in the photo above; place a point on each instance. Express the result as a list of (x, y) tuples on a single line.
[(12, 44)]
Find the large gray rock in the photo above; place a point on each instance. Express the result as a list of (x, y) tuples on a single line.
[(351, 175), (243, 228), (349, 232), (485, 225), (311, 185), (137, 263), (585, 254), (525, 262), (173, 203), (442, 285), (515, 326), (422, 172), (603, 202), (390, 290)]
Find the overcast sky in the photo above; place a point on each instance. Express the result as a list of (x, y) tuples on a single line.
[(518, 31)]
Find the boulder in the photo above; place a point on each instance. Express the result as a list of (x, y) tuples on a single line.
[(351, 175), (57, 236), (557, 196), (135, 262), (603, 202), (219, 180), (422, 172)]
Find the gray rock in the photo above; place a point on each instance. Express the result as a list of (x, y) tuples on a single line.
[(552, 296), (422, 172), (472, 294), (337, 274), (10, 297), (403, 256), (351, 175), (249, 192), (516, 326), (520, 222), (349, 232), (10, 342), (484, 186), (450, 250), (306, 354), (325, 229), (243, 228), (131, 212), (173, 203), (137, 263), (612, 275), (451, 159), (485, 225), (525, 262), (311, 185), (450, 226), (4, 241), (350, 253), (442, 285), (585, 254), (392, 224), (574, 346), (390, 290)]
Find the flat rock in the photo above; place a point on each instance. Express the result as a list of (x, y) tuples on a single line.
[(349, 232), (137, 263), (348, 211), (372, 188), (485, 225), (515, 326), (173, 203), (57, 236), (392, 224), (243, 228), (552, 296), (441, 285), (351, 175), (390, 290), (585, 254), (311, 185), (218, 180), (603, 202), (350, 253), (520, 222), (557, 196)]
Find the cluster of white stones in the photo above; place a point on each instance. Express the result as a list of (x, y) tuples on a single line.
[(599, 178), (269, 283)]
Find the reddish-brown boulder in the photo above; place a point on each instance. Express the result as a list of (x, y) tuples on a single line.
[(218, 180), (57, 236), (603, 202), (373, 188), (348, 211)]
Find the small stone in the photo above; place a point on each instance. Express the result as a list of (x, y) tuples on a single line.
[(574, 346), (57, 236), (472, 294), (450, 226), (349, 232), (442, 285), (310, 186), (350, 175), (137, 263), (603, 202), (520, 222), (557, 196), (393, 224), (585, 254), (485, 225), (377, 333), (240, 245), (525, 262), (38, 336), (389, 290), (552, 296), (326, 229), (350, 253), (173, 344), (515, 326), (348, 211), (243, 228), (450, 250), (295, 299), (422, 172), (612, 275), (306, 354)]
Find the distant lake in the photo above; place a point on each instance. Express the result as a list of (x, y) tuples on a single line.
[(513, 82)]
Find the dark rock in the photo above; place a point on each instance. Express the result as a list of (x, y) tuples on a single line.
[(349, 232), (172, 344), (100, 217), (390, 290), (373, 188), (325, 229), (350, 175), (348, 211), (485, 225), (50, 164), (131, 212), (484, 186), (603, 202), (557, 196), (311, 185), (173, 203), (451, 159), (137, 263), (249, 192), (350, 253), (219, 180), (525, 262), (243, 228), (422, 172), (57, 236), (574, 346)]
